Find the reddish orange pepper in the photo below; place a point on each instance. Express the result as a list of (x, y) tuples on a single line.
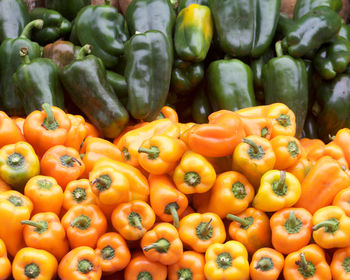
[(169, 113), (266, 264), (287, 150), (76, 133), (78, 192), (63, 164), (91, 130), (190, 266), (340, 265), (5, 264), (342, 200), (259, 126), (19, 122), (10, 133)]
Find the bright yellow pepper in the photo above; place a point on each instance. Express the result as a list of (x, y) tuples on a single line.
[(278, 189)]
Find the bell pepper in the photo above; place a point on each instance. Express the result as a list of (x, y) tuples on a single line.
[(37, 82), (291, 229), (340, 264), (342, 200), (141, 267), (4, 186), (186, 76), (55, 25), (167, 202), (312, 148), (302, 7), (133, 219), (292, 88), (31, 263), (301, 168), (259, 126), (18, 163), (278, 190), (5, 264), (162, 244), (77, 132), (84, 225), (169, 113), (9, 131), (201, 108), (190, 266), (285, 23), (41, 190), (251, 228), (255, 25), (318, 188), (10, 60), (336, 152), (119, 86), (344, 31), (308, 262), (230, 85), (331, 227), (254, 157), (311, 30), (94, 92), (14, 207), (148, 69), (61, 52), (193, 33), (341, 139), (310, 127), (80, 263), (91, 130), (287, 150), (226, 261), (68, 9), (181, 4), (19, 123), (266, 264), (44, 231), (138, 183), (78, 192), (63, 164), (113, 252)]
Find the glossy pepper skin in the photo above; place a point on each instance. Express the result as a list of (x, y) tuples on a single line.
[(185, 3), (230, 85), (342, 200), (302, 7), (94, 92), (37, 82), (310, 127), (61, 52), (147, 72), (55, 26), (267, 264), (190, 266), (288, 151), (311, 31), (78, 192), (119, 86), (10, 60), (340, 264), (201, 108), (68, 8), (10, 133), (77, 132), (341, 139), (5, 264)]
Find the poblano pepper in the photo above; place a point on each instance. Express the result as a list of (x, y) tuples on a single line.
[(302, 7), (68, 8), (201, 108)]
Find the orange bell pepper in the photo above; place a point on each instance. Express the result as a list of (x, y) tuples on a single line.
[(313, 148), (259, 126), (30, 263), (266, 264), (45, 231), (219, 137), (5, 264), (76, 133), (190, 266), (283, 120), (46, 129), (91, 130), (78, 192), (113, 252), (340, 265), (63, 164), (301, 168), (342, 139), (318, 188), (14, 207), (3, 186), (10, 133), (221, 164), (307, 263), (253, 112), (80, 263), (19, 122), (287, 150), (291, 229), (45, 193), (251, 228), (84, 225), (167, 202), (199, 231), (162, 244), (133, 219), (127, 129), (253, 158), (342, 200), (334, 151), (169, 113)]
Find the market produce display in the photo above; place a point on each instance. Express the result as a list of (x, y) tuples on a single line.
[(181, 140)]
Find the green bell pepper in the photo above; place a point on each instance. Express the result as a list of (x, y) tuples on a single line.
[(302, 7), (230, 85), (186, 76), (201, 108), (37, 82), (344, 31), (285, 23), (185, 3), (147, 73), (310, 127), (119, 86), (193, 33), (55, 26), (9, 62), (68, 8), (103, 28), (14, 16), (86, 82), (311, 31), (285, 80), (245, 27), (61, 52)]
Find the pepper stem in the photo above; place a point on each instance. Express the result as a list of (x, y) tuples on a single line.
[(161, 246), (306, 268), (264, 264), (292, 220), (279, 188), (84, 51), (102, 182), (23, 53), (32, 270), (234, 218), (174, 214), (206, 229), (278, 48), (82, 222), (184, 274), (85, 266), (152, 152), (303, 262), (67, 160), (330, 225), (136, 222), (49, 122), (252, 144), (192, 178), (38, 24), (37, 225)]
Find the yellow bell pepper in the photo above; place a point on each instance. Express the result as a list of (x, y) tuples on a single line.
[(278, 189)]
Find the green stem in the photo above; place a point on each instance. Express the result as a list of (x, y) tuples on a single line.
[(234, 218), (303, 262), (161, 246), (84, 51), (330, 225), (23, 53), (85, 266), (102, 183), (174, 214), (278, 48), (252, 144), (108, 252), (192, 178), (38, 24), (136, 222), (207, 228), (16, 200), (68, 161), (279, 188), (152, 152), (37, 225), (32, 270), (264, 264), (49, 122), (82, 222), (79, 194)]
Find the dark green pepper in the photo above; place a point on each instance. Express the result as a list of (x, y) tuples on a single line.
[(14, 16), (230, 85), (245, 27), (68, 8), (86, 82), (201, 108), (55, 26), (285, 23), (285, 80), (185, 3), (9, 62), (344, 31), (37, 82), (302, 7), (119, 86), (310, 127), (103, 28), (61, 52), (312, 30), (186, 76), (147, 73)]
